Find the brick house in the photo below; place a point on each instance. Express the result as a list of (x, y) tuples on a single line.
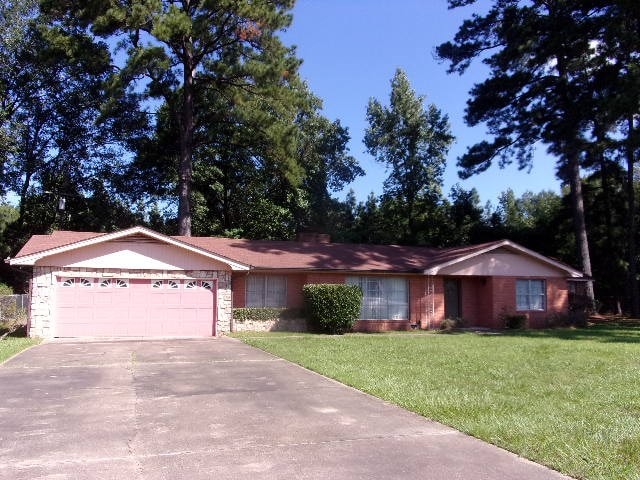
[(138, 282)]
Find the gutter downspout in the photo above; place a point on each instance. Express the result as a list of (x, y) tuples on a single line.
[(430, 304)]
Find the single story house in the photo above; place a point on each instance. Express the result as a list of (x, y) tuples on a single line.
[(138, 282)]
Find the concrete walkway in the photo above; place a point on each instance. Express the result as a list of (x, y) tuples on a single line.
[(215, 409)]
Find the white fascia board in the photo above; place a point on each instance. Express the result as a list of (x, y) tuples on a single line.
[(34, 257), (519, 248)]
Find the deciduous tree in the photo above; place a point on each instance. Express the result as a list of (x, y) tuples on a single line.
[(412, 140)]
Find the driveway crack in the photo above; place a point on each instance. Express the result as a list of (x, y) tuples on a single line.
[(131, 451)]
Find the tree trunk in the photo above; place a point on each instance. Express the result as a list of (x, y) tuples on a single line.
[(580, 225), (187, 127), (634, 292)]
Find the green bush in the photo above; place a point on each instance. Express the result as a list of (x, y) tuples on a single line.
[(5, 289), (449, 324), (514, 321), (332, 308), (265, 314), (12, 318)]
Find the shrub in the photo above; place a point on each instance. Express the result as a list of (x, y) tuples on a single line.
[(332, 308), (449, 324), (12, 318), (5, 289), (265, 314), (514, 321)]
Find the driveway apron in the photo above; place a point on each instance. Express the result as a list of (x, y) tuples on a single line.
[(215, 409)]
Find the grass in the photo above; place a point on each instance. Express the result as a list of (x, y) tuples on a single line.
[(569, 399), (14, 342)]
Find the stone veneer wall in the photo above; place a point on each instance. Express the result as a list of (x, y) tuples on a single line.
[(275, 325), (43, 283)]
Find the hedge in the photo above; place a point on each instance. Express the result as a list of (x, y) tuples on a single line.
[(265, 314), (332, 308)]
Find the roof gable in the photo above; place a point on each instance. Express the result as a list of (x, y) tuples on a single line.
[(503, 247), (42, 246)]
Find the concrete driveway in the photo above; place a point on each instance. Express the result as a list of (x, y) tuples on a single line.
[(215, 409)]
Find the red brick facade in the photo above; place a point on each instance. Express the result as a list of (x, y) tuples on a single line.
[(483, 300)]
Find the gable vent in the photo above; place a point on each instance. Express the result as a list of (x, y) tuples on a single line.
[(137, 238), (501, 250)]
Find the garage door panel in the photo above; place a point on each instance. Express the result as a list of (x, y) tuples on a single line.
[(136, 307)]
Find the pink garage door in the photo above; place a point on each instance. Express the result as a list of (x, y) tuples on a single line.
[(134, 307)]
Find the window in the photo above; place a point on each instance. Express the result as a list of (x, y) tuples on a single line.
[(383, 298), (122, 283), (531, 295), (191, 284), (68, 282), (173, 284), (266, 291), (85, 282), (105, 283), (156, 284), (207, 284)]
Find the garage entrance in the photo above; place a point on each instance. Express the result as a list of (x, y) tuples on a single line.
[(134, 307)]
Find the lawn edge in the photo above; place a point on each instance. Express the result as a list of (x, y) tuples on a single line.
[(390, 402)]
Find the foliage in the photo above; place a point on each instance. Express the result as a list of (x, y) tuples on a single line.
[(544, 59), (12, 317), (265, 314), (333, 309), (513, 321), (480, 384), (192, 56), (61, 148), (5, 289), (412, 141), (449, 324)]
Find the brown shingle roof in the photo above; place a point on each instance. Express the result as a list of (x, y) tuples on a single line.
[(269, 254), (266, 254), (59, 238)]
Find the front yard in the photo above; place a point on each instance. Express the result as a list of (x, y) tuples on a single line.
[(569, 399), (13, 340), (9, 346)]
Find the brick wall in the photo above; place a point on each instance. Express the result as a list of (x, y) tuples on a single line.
[(504, 301), (313, 278), (483, 299), (438, 303), (239, 288)]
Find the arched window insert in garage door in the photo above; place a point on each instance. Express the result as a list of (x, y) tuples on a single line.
[(188, 284)]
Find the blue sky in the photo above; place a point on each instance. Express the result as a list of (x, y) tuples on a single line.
[(351, 49)]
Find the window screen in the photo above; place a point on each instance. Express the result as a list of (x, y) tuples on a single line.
[(530, 295), (266, 291), (383, 298)]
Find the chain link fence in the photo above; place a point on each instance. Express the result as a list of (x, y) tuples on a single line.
[(13, 308)]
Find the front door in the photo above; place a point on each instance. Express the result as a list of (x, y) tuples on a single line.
[(452, 304)]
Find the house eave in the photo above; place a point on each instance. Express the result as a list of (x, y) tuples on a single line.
[(435, 270), (31, 259)]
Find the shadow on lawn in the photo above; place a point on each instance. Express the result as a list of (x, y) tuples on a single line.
[(19, 331), (627, 333)]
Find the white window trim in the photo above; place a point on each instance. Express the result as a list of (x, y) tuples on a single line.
[(357, 280), (530, 295), (263, 295)]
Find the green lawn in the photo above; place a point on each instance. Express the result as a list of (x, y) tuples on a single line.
[(13, 343), (569, 399)]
